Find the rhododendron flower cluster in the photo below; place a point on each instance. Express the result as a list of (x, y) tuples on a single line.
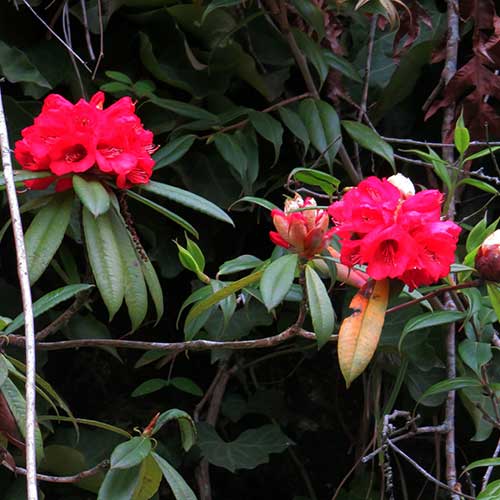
[(71, 138), (304, 231), (396, 233)]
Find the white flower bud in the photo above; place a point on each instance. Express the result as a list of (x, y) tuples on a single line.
[(404, 184)]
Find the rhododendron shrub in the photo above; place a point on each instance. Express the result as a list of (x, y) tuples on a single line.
[(395, 234), (68, 138)]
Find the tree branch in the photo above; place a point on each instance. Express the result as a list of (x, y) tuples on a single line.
[(29, 328)]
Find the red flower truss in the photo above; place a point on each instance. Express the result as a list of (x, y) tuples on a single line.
[(71, 138), (304, 231), (396, 233)]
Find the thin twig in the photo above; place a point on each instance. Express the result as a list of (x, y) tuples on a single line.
[(489, 470), (85, 23), (413, 142), (101, 39), (29, 328), (191, 345)]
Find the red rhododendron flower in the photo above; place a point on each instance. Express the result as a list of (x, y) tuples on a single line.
[(71, 138), (397, 234), (306, 232)]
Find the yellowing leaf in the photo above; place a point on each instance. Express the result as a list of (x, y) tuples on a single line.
[(359, 333)]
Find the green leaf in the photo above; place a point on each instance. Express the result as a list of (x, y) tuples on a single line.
[(313, 52), (218, 4), (485, 462), (475, 354), (215, 298), (187, 199), (149, 479), (186, 385), (173, 151), (277, 280), (17, 405), (429, 319), (119, 484), (480, 154), (258, 201), (440, 165), (184, 109), (450, 385), (483, 186), (86, 421), (154, 287), (118, 76), (4, 370), (269, 128), (114, 87), (323, 126), (494, 295), (342, 65), (369, 139), (312, 14), (320, 307), (296, 126), (179, 487), (196, 253), (230, 149), (186, 426), (326, 182), (249, 450), (241, 263), (105, 259), (47, 302), (130, 453), (46, 232), (17, 68), (136, 294), (152, 385), (461, 136), (163, 211), (92, 194), (23, 175)]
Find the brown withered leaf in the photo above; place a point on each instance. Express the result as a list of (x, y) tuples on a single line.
[(8, 426), (410, 20)]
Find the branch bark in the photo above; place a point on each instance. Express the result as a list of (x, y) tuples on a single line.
[(29, 331)]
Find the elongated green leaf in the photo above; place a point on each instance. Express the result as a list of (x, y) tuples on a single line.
[(136, 294), (120, 484), (105, 259), (206, 304), (47, 302), (475, 354), (258, 201), (312, 14), (152, 385), (17, 405), (462, 139), (23, 175), (118, 76), (313, 52), (46, 232), (154, 287), (294, 123), (369, 139), (483, 186), (184, 109), (323, 126), (231, 150), (326, 182), (167, 213), (480, 154), (429, 319), (4, 370), (179, 487), (342, 65), (186, 426), (92, 194), (173, 151), (450, 385), (86, 421), (269, 128), (186, 385), (494, 295), (320, 307), (187, 199), (277, 280), (218, 4), (241, 263), (485, 462), (149, 479), (130, 453)]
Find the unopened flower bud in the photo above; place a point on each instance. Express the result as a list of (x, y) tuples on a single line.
[(404, 184), (488, 257)]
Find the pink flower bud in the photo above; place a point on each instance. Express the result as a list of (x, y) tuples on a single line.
[(488, 257)]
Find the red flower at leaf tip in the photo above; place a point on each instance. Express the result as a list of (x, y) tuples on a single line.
[(71, 138), (304, 231)]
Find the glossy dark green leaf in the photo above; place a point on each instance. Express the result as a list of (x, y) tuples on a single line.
[(119, 484), (312, 14), (269, 128), (485, 462), (130, 453), (92, 194), (186, 426), (105, 259), (179, 487), (323, 126), (23, 175), (186, 385), (295, 124), (114, 87), (320, 307), (341, 64), (241, 263), (230, 149), (149, 386), (218, 4), (258, 201), (475, 354), (313, 52), (326, 182), (184, 109), (277, 280), (450, 385), (173, 151), (118, 76), (45, 234), (187, 199), (154, 287), (369, 139), (483, 186), (47, 302)]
